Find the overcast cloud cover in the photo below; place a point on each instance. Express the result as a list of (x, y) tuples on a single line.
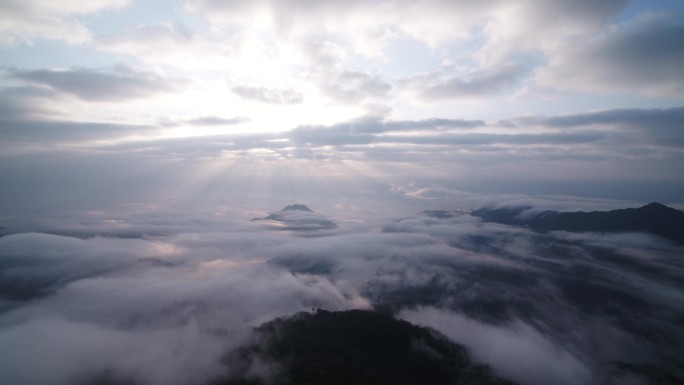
[(147, 148)]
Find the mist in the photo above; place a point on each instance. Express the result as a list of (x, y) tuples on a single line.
[(160, 296)]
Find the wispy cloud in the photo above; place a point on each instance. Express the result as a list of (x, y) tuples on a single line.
[(99, 85), (268, 95)]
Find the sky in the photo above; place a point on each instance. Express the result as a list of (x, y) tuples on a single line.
[(296, 99)]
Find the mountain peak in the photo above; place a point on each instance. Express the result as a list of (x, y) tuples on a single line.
[(360, 347), (656, 206), (297, 207), (297, 217)]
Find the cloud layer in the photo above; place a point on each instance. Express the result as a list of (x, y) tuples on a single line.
[(164, 296), (86, 84)]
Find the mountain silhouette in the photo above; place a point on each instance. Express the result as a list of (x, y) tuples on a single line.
[(297, 217), (296, 207), (653, 218), (358, 347)]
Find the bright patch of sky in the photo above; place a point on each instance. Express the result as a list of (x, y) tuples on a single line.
[(407, 56), (51, 54), (147, 12)]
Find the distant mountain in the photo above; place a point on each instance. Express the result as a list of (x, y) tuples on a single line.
[(357, 347), (654, 218), (297, 217), (442, 214), (297, 207)]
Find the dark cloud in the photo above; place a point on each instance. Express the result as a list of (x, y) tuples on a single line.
[(63, 131), (583, 9), (373, 130), (100, 85), (268, 95), (660, 126), (440, 86), (644, 56), (366, 130), (34, 134), (669, 118), (207, 146), (31, 119), (30, 102), (488, 139)]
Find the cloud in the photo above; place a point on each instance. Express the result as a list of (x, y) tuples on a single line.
[(353, 86), (70, 259), (215, 121), (644, 56), (530, 27), (26, 21), (343, 48), (639, 118), (162, 337), (27, 102), (34, 135), (518, 351), (206, 121), (636, 149), (367, 129), (657, 126), (443, 86), (69, 351), (268, 95), (172, 44), (138, 325), (434, 22), (495, 43), (142, 281), (464, 200), (374, 130), (100, 85)]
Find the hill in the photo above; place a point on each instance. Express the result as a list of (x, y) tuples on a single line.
[(653, 218), (359, 347)]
